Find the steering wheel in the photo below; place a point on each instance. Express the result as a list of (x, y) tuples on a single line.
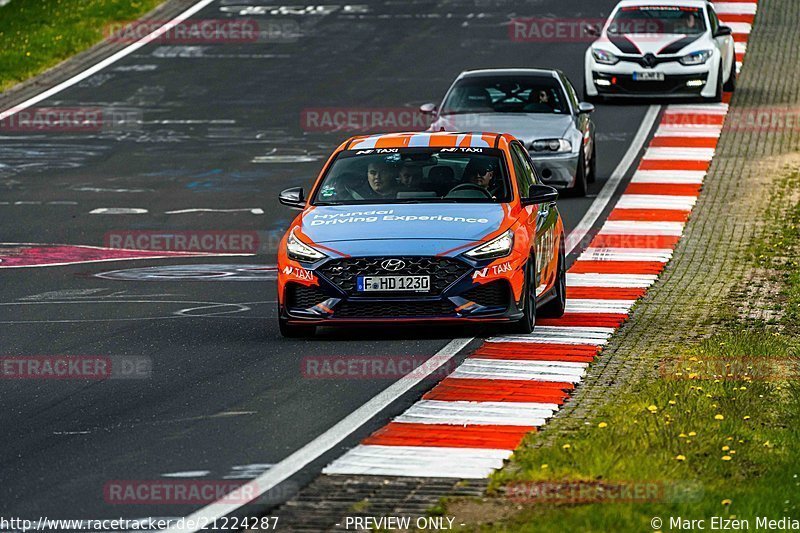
[(469, 187)]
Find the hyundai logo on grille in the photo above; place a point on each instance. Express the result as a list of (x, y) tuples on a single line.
[(393, 265)]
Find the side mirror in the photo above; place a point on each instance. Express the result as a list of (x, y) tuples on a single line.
[(722, 31), (293, 198), (540, 194), (427, 109), (585, 107), (591, 30)]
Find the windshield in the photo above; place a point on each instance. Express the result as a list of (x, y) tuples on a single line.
[(535, 94), (415, 175), (658, 20)]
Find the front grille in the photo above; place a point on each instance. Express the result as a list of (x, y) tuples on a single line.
[(640, 60), (494, 294), (357, 309), (302, 297), (443, 271)]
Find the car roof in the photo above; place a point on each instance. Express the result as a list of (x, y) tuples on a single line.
[(489, 72), (438, 139), (677, 3)]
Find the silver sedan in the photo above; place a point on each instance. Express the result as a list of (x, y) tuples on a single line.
[(539, 107)]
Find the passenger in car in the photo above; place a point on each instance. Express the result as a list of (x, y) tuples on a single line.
[(382, 178), (410, 177)]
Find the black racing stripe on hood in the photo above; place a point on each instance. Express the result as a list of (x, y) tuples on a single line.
[(624, 44), (676, 46)]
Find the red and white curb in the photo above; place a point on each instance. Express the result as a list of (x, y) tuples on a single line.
[(471, 422)]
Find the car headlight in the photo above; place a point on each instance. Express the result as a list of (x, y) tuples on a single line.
[(696, 58), (604, 57), (551, 145), (498, 247), (300, 251)]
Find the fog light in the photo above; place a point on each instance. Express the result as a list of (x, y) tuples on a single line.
[(604, 83), (695, 83)]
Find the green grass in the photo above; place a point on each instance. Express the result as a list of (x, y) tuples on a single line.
[(38, 34), (717, 430), (700, 437)]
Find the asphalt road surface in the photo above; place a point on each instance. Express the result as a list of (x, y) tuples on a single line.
[(221, 129)]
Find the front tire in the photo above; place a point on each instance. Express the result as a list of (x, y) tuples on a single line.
[(730, 85), (556, 307), (590, 98), (579, 189), (717, 98), (592, 177), (294, 331), (526, 324)]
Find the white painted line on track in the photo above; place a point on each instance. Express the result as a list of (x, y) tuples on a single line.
[(558, 371), (740, 27), (633, 281), (589, 305), (689, 130), (700, 109), (693, 177), (477, 413), (560, 334), (734, 8), (626, 254), (320, 445), (97, 67), (637, 227), (577, 235), (656, 201), (684, 154), (252, 210), (118, 211), (425, 461)]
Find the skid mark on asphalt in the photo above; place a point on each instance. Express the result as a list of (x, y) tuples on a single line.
[(105, 309), (22, 255), (209, 272), (251, 210), (470, 423)]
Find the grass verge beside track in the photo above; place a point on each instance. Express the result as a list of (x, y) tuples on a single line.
[(36, 35)]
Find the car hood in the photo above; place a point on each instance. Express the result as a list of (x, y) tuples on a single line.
[(443, 226), (648, 43), (524, 126)]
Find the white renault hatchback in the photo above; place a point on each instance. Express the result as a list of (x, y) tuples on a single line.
[(675, 48)]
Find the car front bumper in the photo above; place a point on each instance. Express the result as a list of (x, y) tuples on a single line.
[(557, 170), (461, 291), (672, 85), (679, 80)]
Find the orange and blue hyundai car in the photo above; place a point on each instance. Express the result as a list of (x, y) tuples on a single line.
[(422, 227)]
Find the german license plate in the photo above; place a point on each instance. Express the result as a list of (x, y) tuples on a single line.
[(648, 76), (393, 283)]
